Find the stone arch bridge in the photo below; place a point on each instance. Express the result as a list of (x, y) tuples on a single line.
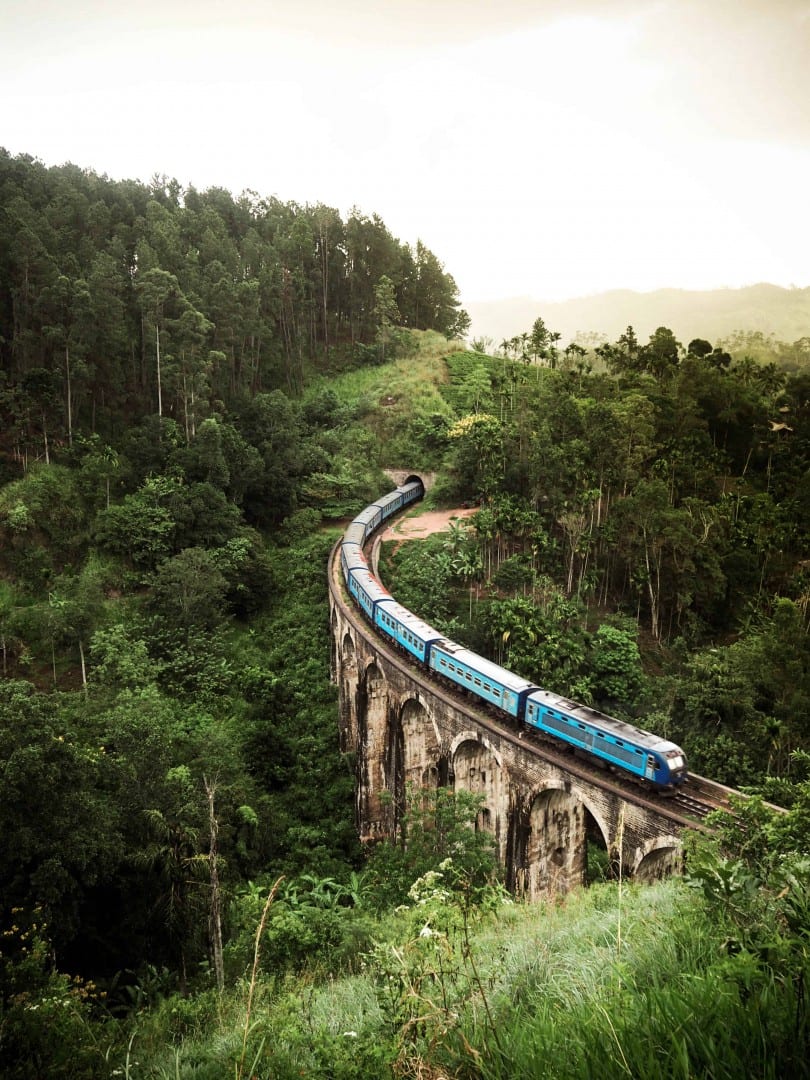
[(540, 804)]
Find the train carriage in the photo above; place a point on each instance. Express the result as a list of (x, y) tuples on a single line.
[(352, 557), (367, 591), (389, 504), (481, 677), (364, 524), (412, 491), (355, 533), (407, 629)]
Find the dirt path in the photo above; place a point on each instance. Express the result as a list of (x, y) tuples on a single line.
[(433, 521)]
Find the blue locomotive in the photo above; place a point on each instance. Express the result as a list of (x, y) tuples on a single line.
[(614, 743)]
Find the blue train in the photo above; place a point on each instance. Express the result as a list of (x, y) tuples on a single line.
[(614, 743)]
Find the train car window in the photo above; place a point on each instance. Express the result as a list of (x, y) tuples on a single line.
[(477, 682), (468, 676), (496, 692)]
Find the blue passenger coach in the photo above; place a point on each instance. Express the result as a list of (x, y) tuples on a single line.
[(352, 557), (481, 677), (367, 591), (407, 629)]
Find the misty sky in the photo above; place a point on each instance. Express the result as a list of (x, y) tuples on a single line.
[(545, 149)]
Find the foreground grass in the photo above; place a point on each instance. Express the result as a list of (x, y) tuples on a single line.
[(593, 986)]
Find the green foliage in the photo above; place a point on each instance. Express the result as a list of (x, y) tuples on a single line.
[(438, 827), (58, 834), (314, 923), (419, 575), (47, 1022), (43, 527), (615, 664)]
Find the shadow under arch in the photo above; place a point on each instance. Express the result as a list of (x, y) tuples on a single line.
[(659, 858), (348, 650)]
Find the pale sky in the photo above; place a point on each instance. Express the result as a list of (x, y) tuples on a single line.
[(539, 148)]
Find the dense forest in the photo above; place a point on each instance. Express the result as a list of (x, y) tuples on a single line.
[(121, 300), (196, 391)]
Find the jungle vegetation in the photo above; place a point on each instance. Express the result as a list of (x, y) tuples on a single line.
[(195, 392)]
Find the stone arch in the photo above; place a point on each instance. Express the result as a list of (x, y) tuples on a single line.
[(422, 746), (555, 851), (348, 651), (598, 864), (658, 858), (412, 754), (373, 680), (476, 737), (404, 476), (344, 663), (478, 768)]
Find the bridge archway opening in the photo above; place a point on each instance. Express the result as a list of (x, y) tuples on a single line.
[(476, 768), (348, 651), (411, 740), (555, 851), (373, 681), (598, 866), (660, 861), (334, 637)]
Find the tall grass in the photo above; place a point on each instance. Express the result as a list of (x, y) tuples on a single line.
[(566, 1001)]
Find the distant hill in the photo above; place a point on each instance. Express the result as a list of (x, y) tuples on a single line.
[(785, 313)]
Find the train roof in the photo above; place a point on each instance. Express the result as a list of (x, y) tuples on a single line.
[(367, 515), (385, 500), (418, 626), (353, 552), (589, 715), (373, 587), (487, 668)]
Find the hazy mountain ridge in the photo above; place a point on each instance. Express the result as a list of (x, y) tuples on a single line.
[(713, 314)]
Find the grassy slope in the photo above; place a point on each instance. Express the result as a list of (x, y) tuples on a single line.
[(602, 983)]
